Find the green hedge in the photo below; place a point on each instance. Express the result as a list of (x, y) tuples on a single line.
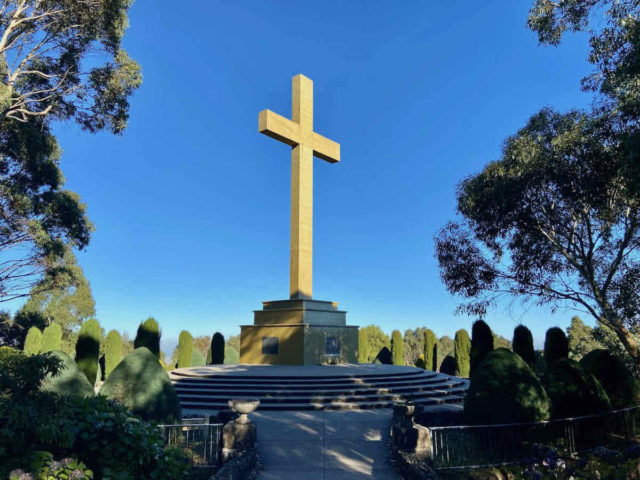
[(112, 351), (504, 389), (449, 365), (217, 349), (614, 376), (397, 344), (573, 391), (70, 381), (197, 359), (383, 357), (430, 350), (141, 384)]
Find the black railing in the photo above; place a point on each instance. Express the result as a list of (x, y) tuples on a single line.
[(484, 445), (201, 442)]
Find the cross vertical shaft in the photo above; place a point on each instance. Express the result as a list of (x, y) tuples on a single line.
[(298, 132)]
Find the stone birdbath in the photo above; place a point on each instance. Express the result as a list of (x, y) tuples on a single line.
[(243, 407)]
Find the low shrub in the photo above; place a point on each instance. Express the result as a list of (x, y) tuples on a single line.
[(197, 359), (141, 384), (449, 366), (573, 391), (69, 381), (614, 376), (383, 357), (504, 389), (231, 355)]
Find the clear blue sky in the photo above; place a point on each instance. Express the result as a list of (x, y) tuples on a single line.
[(191, 204)]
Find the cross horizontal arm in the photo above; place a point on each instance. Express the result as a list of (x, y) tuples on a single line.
[(326, 149), (278, 127)]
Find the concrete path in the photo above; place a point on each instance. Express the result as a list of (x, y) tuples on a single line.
[(325, 445)]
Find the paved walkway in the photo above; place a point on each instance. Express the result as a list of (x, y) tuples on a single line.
[(325, 445)]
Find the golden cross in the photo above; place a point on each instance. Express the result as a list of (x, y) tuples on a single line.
[(298, 132)]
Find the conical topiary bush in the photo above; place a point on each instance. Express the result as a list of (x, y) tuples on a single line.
[(88, 349), (430, 351), (148, 335), (112, 351), (523, 345), (185, 349), (504, 389), (217, 349), (614, 376), (462, 346), (397, 344), (141, 384), (556, 346), (70, 381)]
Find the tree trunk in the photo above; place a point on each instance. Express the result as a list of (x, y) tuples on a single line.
[(625, 337)]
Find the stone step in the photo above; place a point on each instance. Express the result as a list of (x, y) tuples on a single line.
[(353, 391), (363, 386), (209, 407), (319, 398), (190, 374), (296, 381)]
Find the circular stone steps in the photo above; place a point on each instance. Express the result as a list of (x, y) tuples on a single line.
[(284, 387)]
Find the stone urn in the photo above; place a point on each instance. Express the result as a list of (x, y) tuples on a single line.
[(243, 407)]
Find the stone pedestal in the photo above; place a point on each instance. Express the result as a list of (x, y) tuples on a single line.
[(299, 332), (238, 437)]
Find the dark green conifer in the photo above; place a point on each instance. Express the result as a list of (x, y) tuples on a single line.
[(430, 350), (481, 344), (396, 347), (112, 351), (556, 346), (523, 345), (217, 349)]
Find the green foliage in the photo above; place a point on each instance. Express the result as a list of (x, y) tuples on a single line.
[(430, 351), (41, 220), (148, 336), (197, 359), (52, 338), (581, 339), (21, 375), (504, 389), (64, 298), (88, 348), (523, 345), (573, 391), (113, 443), (384, 357), (13, 331), (413, 345), (231, 355), (396, 347), (112, 351), (481, 344), (217, 349), (461, 352), (420, 363), (445, 347), (70, 380), (141, 384), (578, 166), (185, 349), (95, 95), (622, 388), (67, 468), (33, 342), (371, 339), (449, 365), (556, 346)]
